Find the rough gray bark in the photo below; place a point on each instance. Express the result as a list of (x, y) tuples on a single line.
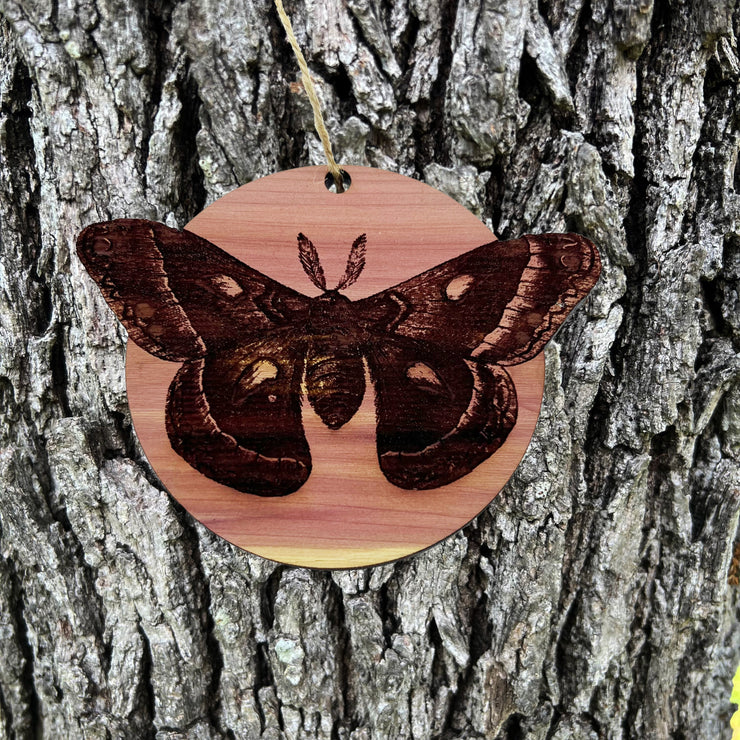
[(590, 600)]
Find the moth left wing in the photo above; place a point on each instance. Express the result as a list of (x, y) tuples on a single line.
[(236, 416), (502, 301), (178, 295), (438, 415)]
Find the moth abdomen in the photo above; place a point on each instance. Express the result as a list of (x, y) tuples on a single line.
[(335, 384)]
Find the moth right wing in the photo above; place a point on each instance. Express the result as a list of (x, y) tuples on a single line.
[(236, 416), (178, 295)]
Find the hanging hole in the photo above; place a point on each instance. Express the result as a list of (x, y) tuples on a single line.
[(331, 184)]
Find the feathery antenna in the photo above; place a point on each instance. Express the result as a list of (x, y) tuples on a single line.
[(312, 265), (355, 262), (310, 260)]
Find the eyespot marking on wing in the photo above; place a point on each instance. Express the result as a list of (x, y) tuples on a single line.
[(144, 310), (571, 262), (227, 285), (258, 373), (424, 376), (102, 245), (458, 287), (252, 377)]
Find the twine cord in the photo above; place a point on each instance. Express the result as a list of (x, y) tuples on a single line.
[(318, 119)]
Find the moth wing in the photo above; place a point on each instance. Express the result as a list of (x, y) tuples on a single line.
[(502, 301), (438, 415), (177, 294), (444, 401), (236, 416)]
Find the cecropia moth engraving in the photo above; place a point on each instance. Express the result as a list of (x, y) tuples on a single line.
[(436, 348)]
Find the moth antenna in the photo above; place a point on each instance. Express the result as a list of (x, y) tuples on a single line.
[(310, 260), (355, 262)]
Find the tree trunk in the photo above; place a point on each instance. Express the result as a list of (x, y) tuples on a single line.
[(591, 599)]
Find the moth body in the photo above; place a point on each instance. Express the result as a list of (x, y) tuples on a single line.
[(335, 373), (329, 313)]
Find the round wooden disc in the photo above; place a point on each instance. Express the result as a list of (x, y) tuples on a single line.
[(347, 514)]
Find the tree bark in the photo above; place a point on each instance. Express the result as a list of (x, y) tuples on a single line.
[(591, 599)]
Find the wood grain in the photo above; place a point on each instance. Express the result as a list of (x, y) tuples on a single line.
[(346, 514)]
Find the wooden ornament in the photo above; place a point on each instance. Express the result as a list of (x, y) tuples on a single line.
[(335, 426)]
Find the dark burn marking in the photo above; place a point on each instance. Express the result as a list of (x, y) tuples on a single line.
[(436, 346), (201, 439)]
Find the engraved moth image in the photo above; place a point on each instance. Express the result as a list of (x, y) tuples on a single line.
[(437, 347)]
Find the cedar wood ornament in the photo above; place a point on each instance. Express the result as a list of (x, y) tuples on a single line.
[(436, 347)]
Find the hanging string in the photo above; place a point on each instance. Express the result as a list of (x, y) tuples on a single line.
[(318, 119)]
